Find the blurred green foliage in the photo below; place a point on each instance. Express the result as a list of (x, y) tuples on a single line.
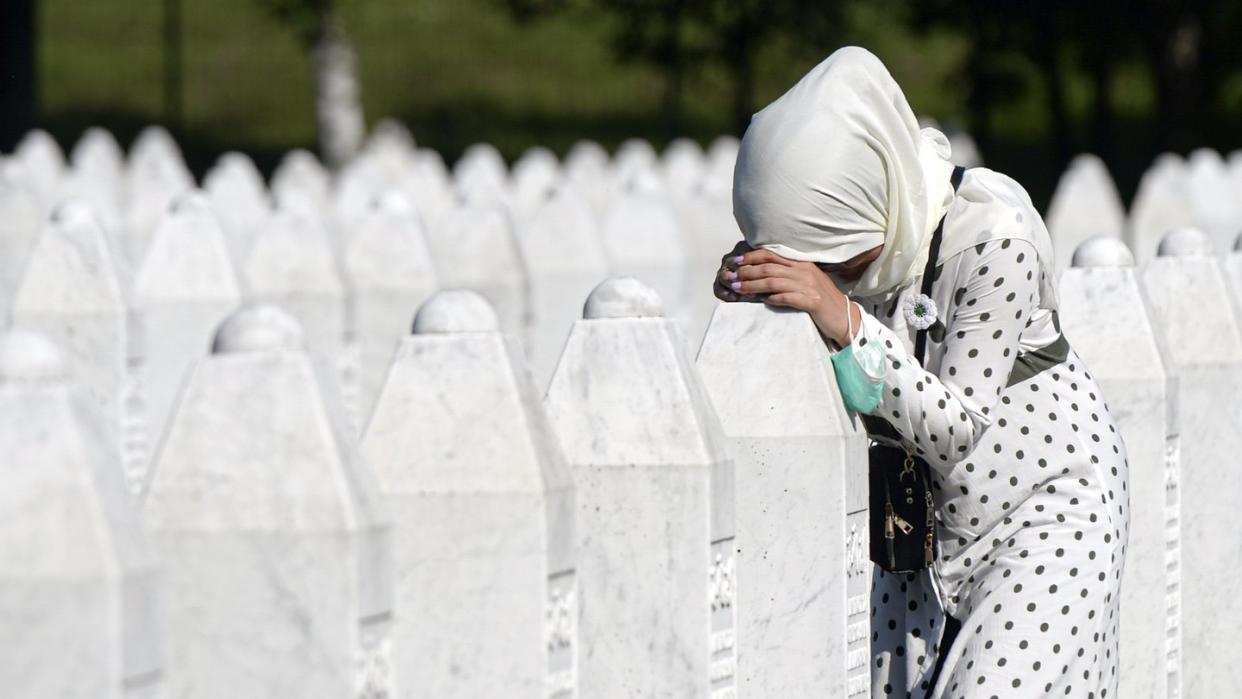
[(461, 71)]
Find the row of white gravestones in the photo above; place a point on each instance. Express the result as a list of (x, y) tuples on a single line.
[(78, 614), (280, 575), (1167, 348)]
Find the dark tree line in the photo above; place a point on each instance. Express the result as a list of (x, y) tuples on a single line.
[(1186, 47)]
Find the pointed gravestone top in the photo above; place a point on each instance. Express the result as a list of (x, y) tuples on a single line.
[(682, 165), (188, 258), (44, 162), (98, 151), (456, 311), (1103, 251), (535, 176), (71, 268), (1160, 205), (480, 174), (1085, 203), (300, 178), (1186, 242), (1213, 202), (623, 297)]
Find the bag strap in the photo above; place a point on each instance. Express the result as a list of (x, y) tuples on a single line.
[(933, 256)]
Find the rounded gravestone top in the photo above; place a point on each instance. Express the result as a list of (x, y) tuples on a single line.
[(72, 213), (456, 311), (623, 297), (1186, 242), (1103, 251), (189, 201), (29, 356), (258, 328)]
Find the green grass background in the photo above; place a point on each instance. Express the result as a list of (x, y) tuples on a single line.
[(461, 71)]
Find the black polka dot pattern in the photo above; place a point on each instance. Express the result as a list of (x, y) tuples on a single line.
[(1031, 487)]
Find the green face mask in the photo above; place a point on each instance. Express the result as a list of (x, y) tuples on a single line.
[(860, 369)]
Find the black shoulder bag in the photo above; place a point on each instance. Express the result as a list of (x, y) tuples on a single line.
[(903, 512)]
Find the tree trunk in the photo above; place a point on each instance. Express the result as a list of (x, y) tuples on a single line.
[(338, 105), (17, 68)]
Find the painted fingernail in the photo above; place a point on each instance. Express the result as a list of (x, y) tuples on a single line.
[(735, 286), (737, 260), (731, 276)]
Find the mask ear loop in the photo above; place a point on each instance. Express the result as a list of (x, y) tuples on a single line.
[(849, 319)]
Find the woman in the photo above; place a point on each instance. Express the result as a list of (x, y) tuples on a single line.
[(838, 194)]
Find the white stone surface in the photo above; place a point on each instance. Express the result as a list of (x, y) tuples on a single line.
[(41, 157), (474, 247), (70, 292), (1190, 299), (804, 576), (1215, 207), (1232, 264), (642, 238), (185, 287), (654, 501), (586, 169), (77, 574), (300, 181), (682, 165), (97, 164), (1160, 205), (239, 198), (560, 244), (390, 274), (21, 221), (155, 174), (1106, 317), (292, 265), (486, 595), (1085, 204), (480, 176), (534, 179), (276, 555)]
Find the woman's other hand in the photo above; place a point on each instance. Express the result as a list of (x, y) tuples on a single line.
[(766, 276), (727, 274)]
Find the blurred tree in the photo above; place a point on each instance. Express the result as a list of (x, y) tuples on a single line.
[(17, 70), (679, 36), (338, 107), (659, 33)]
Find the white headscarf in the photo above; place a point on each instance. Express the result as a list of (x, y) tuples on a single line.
[(837, 166)]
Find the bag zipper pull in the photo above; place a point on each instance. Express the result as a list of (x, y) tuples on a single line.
[(902, 524)]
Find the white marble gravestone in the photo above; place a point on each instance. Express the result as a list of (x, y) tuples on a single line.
[(97, 163), (656, 565), (480, 176), (535, 177), (292, 265), (185, 287), (389, 271), (70, 292), (1232, 263), (77, 574), (43, 161), (486, 599), (682, 165), (1106, 317), (474, 248), (300, 181), (276, 555), (1190, 299), (1085, 204), (239, 198), (586, 169), (154, 175), (1160, 205), (565, 259), (721, 157), (643, 239), (804, 577), (21, 221), (1215, 207)]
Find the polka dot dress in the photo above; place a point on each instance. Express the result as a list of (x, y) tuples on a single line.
[(1029, 475)]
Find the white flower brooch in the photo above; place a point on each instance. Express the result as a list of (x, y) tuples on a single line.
[(920, 311)]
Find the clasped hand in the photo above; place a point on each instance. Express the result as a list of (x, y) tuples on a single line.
[(763, 276)]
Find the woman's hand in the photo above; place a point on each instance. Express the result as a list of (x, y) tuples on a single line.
[(762, 275)]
